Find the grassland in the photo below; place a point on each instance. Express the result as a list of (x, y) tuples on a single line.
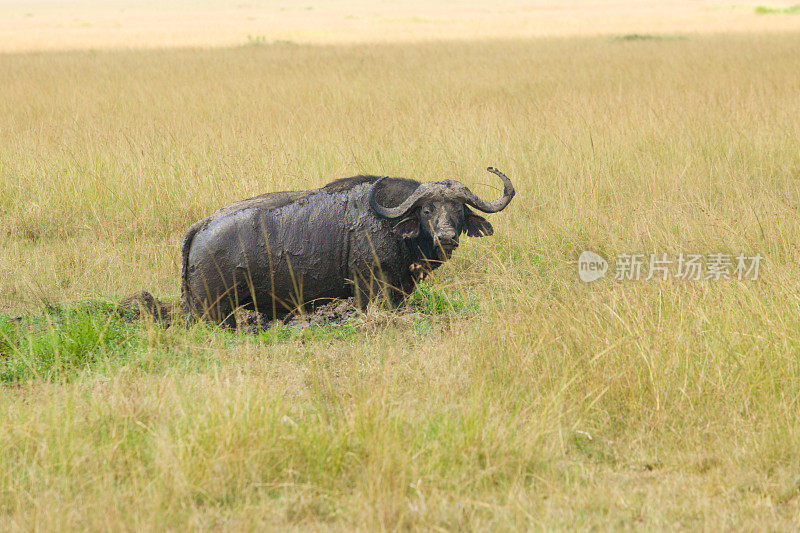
[(515, 396)]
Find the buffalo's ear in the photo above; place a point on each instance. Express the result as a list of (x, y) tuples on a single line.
[(476, 226), (408, 228)]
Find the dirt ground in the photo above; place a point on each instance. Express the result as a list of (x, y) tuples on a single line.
[(52, 25)]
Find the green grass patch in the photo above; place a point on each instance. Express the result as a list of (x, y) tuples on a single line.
[(766, 10), (435, 301), (62, 341), (94, 336), (280, 333)]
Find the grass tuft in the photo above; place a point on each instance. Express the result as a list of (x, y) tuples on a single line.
[(765, 10), (648, 37)]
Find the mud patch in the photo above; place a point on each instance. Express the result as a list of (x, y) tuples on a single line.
[(332, 312), (251, 321), (142, 303)]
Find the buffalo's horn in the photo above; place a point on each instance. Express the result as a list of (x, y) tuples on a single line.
[(444, 190), (465, 195), (420, 194)]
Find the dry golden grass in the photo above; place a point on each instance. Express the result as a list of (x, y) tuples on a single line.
[(536, 402)]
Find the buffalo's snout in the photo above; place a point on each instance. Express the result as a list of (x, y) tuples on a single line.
[(445, 243), (446, 239)]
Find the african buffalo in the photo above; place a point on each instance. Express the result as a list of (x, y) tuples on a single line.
[(365, 237)]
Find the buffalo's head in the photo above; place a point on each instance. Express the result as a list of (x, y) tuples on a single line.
[(435, 214)]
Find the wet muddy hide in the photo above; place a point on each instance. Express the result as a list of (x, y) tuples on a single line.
[(367, 238)]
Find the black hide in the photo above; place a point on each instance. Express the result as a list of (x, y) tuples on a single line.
[(280, 252)]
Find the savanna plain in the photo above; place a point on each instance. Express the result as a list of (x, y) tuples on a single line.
[(510, 395)]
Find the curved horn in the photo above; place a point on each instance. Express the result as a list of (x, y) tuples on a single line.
[(451, 190), (468, 197), (423, 192)]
